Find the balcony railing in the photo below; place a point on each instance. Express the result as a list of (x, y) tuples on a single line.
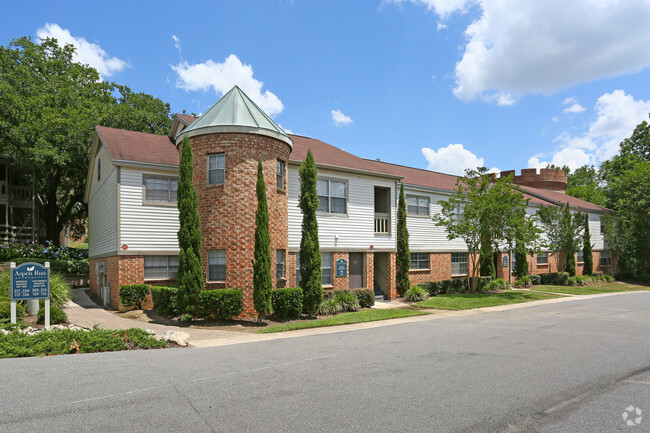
[(382, 223), (22, 192)]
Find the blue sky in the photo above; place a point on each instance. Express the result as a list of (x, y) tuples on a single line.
[(439, 84)]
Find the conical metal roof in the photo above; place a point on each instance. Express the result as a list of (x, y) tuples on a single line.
[(235, 112)]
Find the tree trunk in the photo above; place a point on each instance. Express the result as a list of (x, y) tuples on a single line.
[(51, 213)]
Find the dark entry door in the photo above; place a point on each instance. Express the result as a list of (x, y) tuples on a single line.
[(356, 270)]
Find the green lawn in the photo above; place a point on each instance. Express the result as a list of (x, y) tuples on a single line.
[(466, 301), (75, 244), (345, 319), (592, 289)]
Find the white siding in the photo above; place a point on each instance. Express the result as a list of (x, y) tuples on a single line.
[(597, 239), (102, 208), (356, 230), (145, 227), (424, 235)]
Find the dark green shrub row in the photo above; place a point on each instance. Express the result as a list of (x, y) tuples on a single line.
[(557, 278), (287, 302), (164, 299), (455, 285), (585, 280), (61, 266), (133, 295), (56, 316), (5, 310), (366, 297), (535, 280), (220, 304)]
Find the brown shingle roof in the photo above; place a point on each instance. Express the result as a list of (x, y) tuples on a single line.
[(187, 117), (138, 146), (558, 197)]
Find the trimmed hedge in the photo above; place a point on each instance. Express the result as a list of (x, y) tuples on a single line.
[(60, 266), (164, 299), (535, 280), (366, 297), (523, 282), (5, 310), (220, 304), (133, 295), (416, 293), (347, 300), (287, 302), (56, 316)]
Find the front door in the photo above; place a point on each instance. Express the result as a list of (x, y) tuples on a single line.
[(356, 270)]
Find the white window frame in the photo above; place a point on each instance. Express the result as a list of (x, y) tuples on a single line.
[(330, 197), (608, 259), (171, 265), (326, 281), (280, 174), (171, 180), (580, 257), (298, 278), (217, 256), (459, 264), (418, 207), (544, 256), (280, 261), (417, 259), (216, 168)]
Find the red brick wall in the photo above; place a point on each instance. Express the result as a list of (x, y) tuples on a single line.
[(547, 178), (370, 271), (227, 211), (439, 269), (340, 282)]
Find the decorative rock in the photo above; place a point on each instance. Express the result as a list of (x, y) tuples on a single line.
[(5, 332), (180, 338), (150, 331)]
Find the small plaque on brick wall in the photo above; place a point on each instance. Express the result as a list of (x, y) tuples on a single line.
[(341, 268)]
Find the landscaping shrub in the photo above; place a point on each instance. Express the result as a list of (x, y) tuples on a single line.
[(56, 316), (347, 300), (535, 280), (416, 293), (5, 310), (133, 295), (497, 284), (366, 297), (550, 278), (523, 282), (562, 278), (458, 285), (608, 278), (432, 287), (59, 288), (220, 304), (164, 299), (31, 251), (286, 302), (76, 266), (328, 306), (482, 283)]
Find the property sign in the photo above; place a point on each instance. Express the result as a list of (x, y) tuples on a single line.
[(30, 281), (341, 268)]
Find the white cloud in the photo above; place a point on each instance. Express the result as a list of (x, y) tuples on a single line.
[(177, 43), (453, 159), (443, 8), (221, 77), (555, 119), (340, 119), (575, 108), (617, 114), (570, 100), (532, 46), (441, 26), (87, 53)]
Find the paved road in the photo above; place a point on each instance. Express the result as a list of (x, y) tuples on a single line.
[(563, 367)]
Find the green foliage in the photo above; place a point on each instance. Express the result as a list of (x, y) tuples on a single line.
[(59, 287), (287, 302), (563, 232), (133, 295), (497, 284), (403, 264), (521, 260), (585, 183), (570, 266), (549, 278), (328, 306), (346, 299), (262, 282), (164, 299), (76, 266), (484, 210), (310, 260), (455, 285), (28, 250), (220, 304), (66, 341), (366, 297), (587, 254), (523, 282), (416, 293), (5, 310), (51, 105), (562, 278), (57, 315), (190, 271), (535, 280), (487, 261)]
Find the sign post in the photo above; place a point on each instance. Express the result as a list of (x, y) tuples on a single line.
[(30, 281)]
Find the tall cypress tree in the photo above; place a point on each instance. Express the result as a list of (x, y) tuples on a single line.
[(587, 255), (262, 283), (403, 252), (521, 262), (190, 272), (310, 261)]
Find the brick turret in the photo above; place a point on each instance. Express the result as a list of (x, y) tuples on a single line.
[(547, 178)]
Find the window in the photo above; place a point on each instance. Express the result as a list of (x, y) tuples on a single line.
[(279, 263), (160, 189), (542, 258), (279, 173), (332, 196), (581, 257), (297, 269), (419, 261), (458, 263), (605, 259), (160, 267), (216, 169), (99, 169), (217, 265), (416, 205), (326, 268)]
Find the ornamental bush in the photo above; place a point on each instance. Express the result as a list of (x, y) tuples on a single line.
[(5, 310), (416, 293), (71, 266), (366, 297), (328, 306), (535, 280), (562, 278), (57, 315), (497, 284), (164, 299), (133, 295), (347, 300), (287, 302), (550, 278), (220, 304), (30, 250), (523, 282)]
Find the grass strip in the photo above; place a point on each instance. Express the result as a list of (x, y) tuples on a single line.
[(592, 289), (466, 301), (345, 319)]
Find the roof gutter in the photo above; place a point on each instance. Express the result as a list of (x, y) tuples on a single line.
[(349, 170)]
